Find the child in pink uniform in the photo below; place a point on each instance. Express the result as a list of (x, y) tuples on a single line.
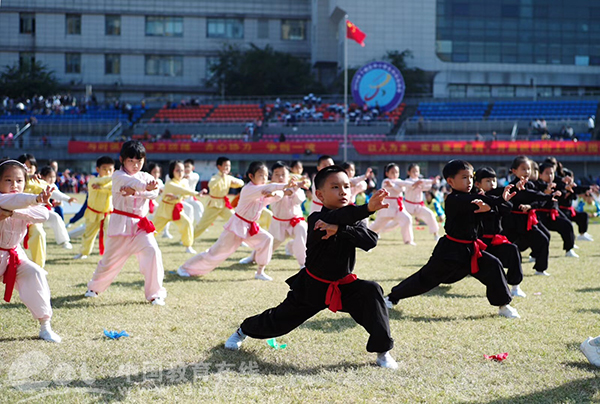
[(395, 215), (16, 270), (129, 231), (242, 227), (414, 202)]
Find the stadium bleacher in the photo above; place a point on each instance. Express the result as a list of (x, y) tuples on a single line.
[(183, 114), (455, 111), (235, 113), (543, 109), (73, 114)]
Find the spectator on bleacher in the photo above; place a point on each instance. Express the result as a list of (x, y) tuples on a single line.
[(478, 137), (281, 138), (591, 124), (494, 136), (166, 134)]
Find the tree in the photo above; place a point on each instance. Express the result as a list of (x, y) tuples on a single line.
[(417, 81), (256, 71), (28, 79)]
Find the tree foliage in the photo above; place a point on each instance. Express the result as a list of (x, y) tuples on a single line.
[(27, 80), (417, 80), (257, 71)]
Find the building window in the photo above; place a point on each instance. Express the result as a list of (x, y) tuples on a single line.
[(164, 26), (73, 63), (26, 59), (113, 25), (112, 63), (263, 29), (27, 23), (170, 66), (293, 30), (231, 28), (73, 24)]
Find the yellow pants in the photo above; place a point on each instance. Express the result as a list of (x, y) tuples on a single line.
[(208, 218), (264, 221), (184, 224), (92, 228), (37, 244)]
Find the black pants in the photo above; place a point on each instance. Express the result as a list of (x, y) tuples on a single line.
[(510, 257), (363, 300), (537, 240), (439, 270), (581, 218), (562, 225)]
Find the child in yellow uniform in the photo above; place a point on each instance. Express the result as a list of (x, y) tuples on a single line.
[(99, 206), (171, 206), (218, 205)]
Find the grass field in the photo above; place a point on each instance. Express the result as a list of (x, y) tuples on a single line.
[(175, 353)]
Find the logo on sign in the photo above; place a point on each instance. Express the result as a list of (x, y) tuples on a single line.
[(378, 84)]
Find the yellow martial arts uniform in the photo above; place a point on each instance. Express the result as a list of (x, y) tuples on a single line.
[(99, 206), (164, 212), (36, 235), (218, 189)]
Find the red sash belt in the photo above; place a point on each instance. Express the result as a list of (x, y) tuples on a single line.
[(570, 209), (399, 200), (26, 239), (553, 212), (177, 209), (532, 219), (254, 227), (478, 247), (226, 199), (143, 224), (317, 203), (101, 236), (422, 203), (333, 297), (10, 275), (497, 239), (152, 206), (293, 221)]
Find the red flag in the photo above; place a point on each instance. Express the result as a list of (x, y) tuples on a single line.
[(352, 32)]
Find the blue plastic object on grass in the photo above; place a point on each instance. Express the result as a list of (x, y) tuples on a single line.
[(115, 334)]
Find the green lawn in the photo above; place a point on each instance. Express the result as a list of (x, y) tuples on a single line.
[(175, 353)]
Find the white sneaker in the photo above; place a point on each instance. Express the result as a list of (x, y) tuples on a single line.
[(508, 311), (159, 301), (166, 234), (575, 246), (91, 293), (47, 334), (248, 260), (80, 257), (531, 259), (190, 250), (235, 341), (385, 360), (591, 350), (388, 303), (516, 291), (585, 237), (262, 277), (410, 243), (572, 254), (182, 272), (67, 245), (245, 245), (541, 273)]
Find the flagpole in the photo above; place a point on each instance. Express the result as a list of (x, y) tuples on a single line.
[(346, 87)]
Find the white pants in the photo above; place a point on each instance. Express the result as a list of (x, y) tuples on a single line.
[(58, 227), (424, 214), (227, 244), (299, 233), (197, 208), (385, 223)]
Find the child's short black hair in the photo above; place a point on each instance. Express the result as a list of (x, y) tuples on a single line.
[(389, 167), (254, 167), (222, 160), (568, 173), (23, 158), (104, 160), (188, 161), (46, 170), (323, 158), (545, 165), (280, 164), (152, 166), (295, 163), (411, 166), (347, 164), (484, 172), (454, 167), (534, 166), (5, 163), (518, 161), (322, 175), (172, 166), (133, 149)]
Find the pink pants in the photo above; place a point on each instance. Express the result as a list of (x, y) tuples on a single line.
[(423, 213), (118, 248), (226, 245), (31, 284), (383, 224)]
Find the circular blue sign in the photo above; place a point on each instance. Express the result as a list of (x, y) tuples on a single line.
[(378, 84)]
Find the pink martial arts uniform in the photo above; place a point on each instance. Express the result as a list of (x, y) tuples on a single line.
[(357, 185), (288, 221), (30, 279), (395, 215), (241, 227), (127, 236), (415, 205)]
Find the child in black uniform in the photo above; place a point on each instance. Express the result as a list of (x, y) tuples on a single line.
[(327, 279), (497, 244), (460, 252)]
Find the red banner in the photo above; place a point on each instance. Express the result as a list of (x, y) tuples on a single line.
[(478, 148), (212, 147)]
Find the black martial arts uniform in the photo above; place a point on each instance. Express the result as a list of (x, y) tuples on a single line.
[(327, 261), (565, 204), (554, 219)]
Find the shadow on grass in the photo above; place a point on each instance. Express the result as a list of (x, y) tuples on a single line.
[(397, 314), (594, 311), (587, 290), (20, 339), (330, 325)]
